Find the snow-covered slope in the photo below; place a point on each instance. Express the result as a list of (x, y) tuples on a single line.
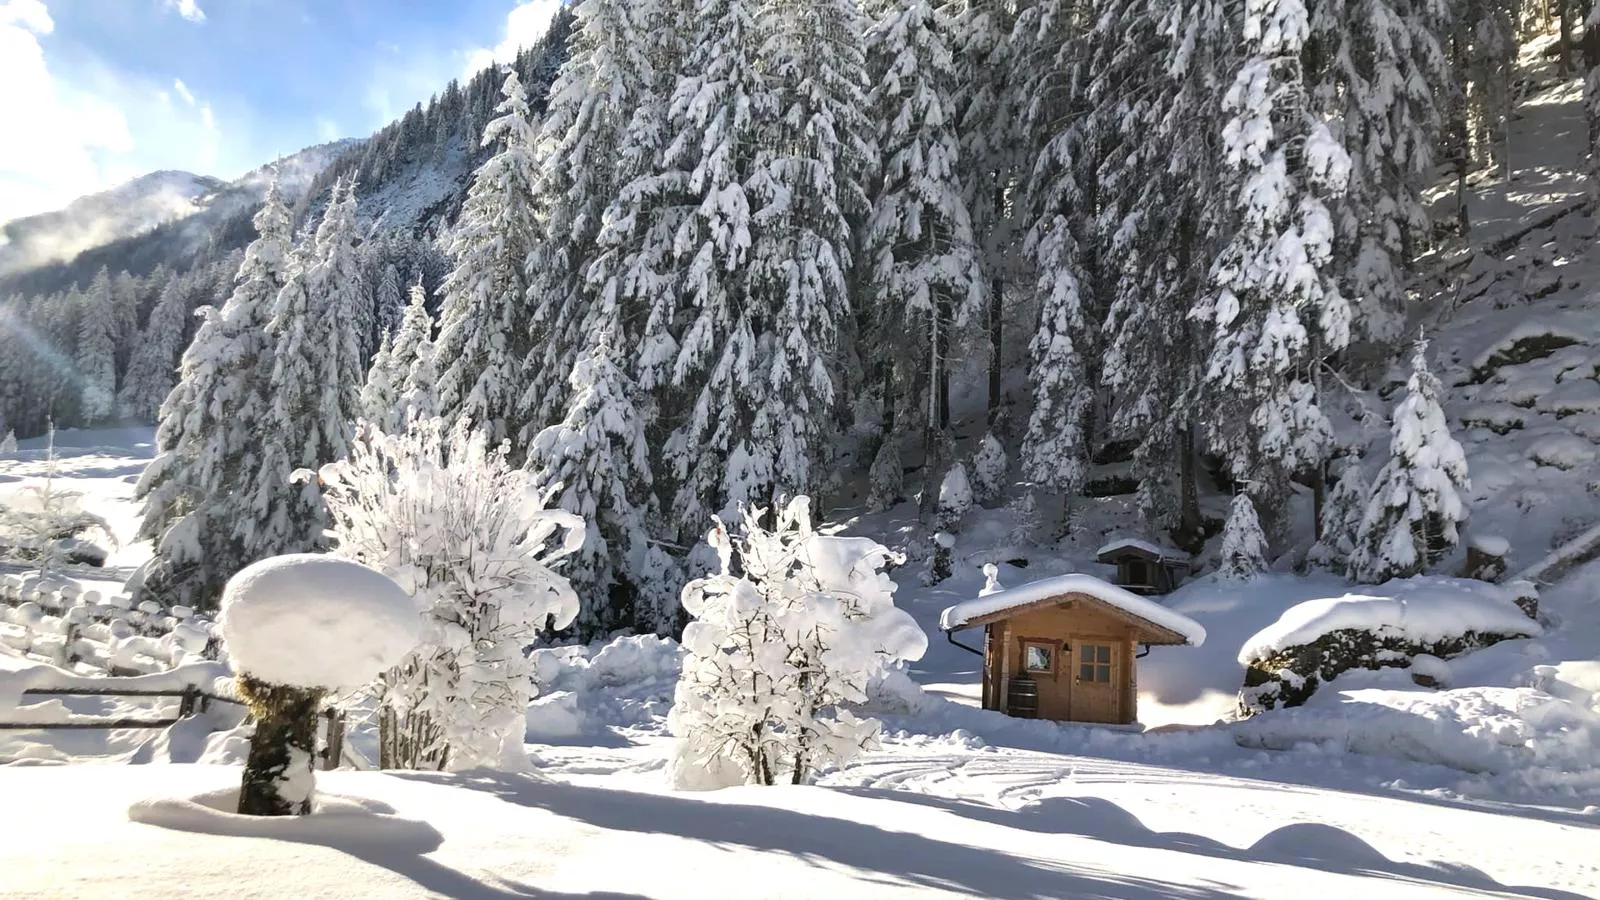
[(98, 219)]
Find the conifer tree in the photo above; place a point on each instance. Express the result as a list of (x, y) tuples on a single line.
[(609, 74), (1416, 508), (96, 351), (379, 391), (1342, 513), (1244, 544), (596, 462), (921, 256), (152, 373), (483, 324), (411, 356), (212, 424), (1273, 309), (314, 390)]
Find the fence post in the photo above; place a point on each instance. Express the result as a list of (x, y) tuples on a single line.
[(335, 749), (186, 704)]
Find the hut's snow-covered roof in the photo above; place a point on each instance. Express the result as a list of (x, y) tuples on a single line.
[(962, 613), (1165, 554)]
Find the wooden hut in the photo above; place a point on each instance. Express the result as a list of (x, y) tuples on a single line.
[(1066, 648), (1145, 568)]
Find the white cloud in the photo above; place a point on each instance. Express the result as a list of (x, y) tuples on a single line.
[(74, 130), (183, 91), (189, 9), (525, 25)]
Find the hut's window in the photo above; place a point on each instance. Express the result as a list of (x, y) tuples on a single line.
[(1138, 573), (1094, 664), (1037, 657)]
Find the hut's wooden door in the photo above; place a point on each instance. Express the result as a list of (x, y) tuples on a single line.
[(1097, 680)]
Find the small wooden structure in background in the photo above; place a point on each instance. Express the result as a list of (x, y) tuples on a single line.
[(1145, 568), (1064, 648)]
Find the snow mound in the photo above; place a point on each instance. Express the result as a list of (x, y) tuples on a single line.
[(1562, 451), (625, 683), (317, 621), (333, 820), (1420, 610), (959, 615), (1542, 738)]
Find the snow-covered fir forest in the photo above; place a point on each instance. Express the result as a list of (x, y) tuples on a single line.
[(1134, 449)]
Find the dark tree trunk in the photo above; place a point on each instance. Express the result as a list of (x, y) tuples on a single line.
[(1191, 529), (996, 332), (280, 770), (1564, 13)]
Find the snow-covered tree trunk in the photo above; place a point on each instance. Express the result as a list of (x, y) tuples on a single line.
[(280, 767)]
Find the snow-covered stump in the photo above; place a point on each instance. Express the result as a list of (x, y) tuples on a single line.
[(279, 773), (296, 627), (1486, 557)]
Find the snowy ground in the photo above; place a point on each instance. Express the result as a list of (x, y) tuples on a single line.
[(959, 802)]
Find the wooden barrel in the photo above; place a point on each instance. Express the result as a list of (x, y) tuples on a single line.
[(1022, 698)]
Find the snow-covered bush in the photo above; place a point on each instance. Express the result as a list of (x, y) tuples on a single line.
[(451, 521), (955, 498), (989, 470), (46, 524), (941, 558), (1416, 505), (297, 626), (1244, 544), (8, 445), (786, 637), (1315, 641)]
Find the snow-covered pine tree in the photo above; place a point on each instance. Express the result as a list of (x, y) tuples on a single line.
[(988, 102), (809, 187), (96, 351), (411, 357), (596, 464), (1274, 309), (379, 391), (989, 467), (921, 258), (389, 301), (1243, 554), (886, 477), (314, 392), (152, 373), (955, 498), (609, 74), (783, 643), (1416, 507), (483, 323), (1342, 512), (1382, 71), (212, 424), (1591, 94), (712, 122), (452, 522)]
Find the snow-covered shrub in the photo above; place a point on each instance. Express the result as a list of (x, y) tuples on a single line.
[(886, 478), (955, 498), (989, 470), (46, 524), (786, 636), (296, 627), (1244, 544), (1316, 641), (1415, 507), (8, 445), (451, 521), (1025, 518)]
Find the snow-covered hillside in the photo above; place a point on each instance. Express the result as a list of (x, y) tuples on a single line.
[(97, 219)]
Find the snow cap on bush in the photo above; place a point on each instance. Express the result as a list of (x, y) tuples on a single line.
[(314, 621)]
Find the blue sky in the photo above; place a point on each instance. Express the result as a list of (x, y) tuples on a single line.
[(100, 91)]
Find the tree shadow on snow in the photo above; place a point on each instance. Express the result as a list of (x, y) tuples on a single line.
[(897, 858), (1307, 845)]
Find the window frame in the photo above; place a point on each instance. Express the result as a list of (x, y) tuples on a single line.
[(1095, 666), (1053, 648)]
